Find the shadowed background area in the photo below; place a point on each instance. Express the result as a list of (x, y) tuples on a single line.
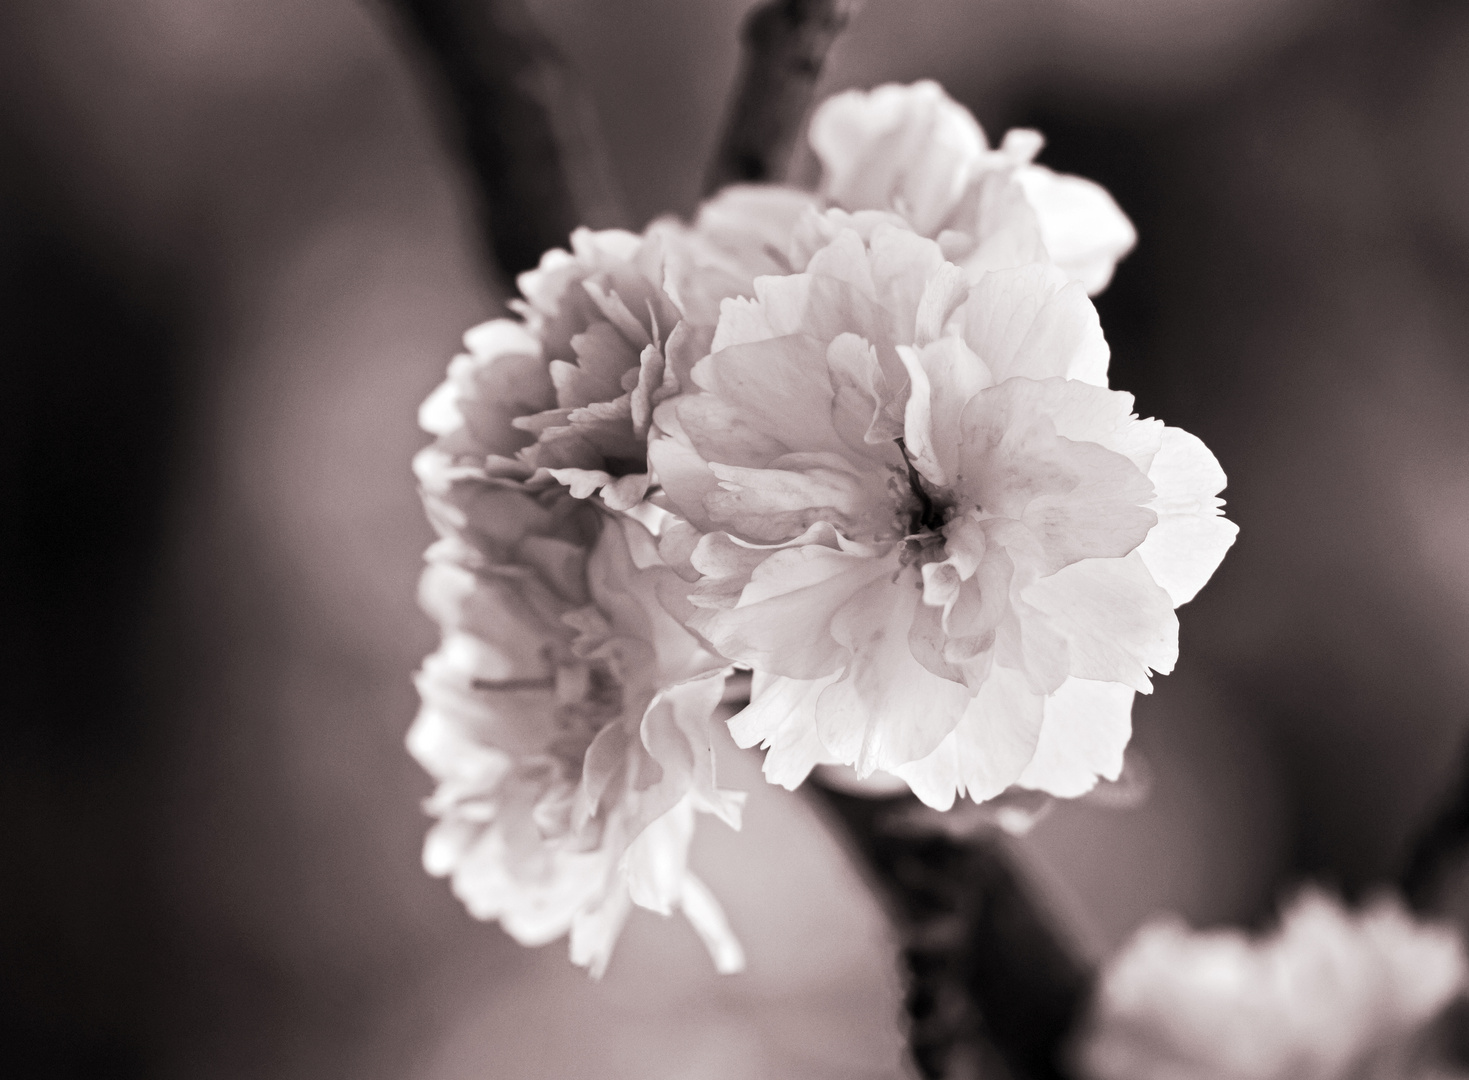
[(235, 252)]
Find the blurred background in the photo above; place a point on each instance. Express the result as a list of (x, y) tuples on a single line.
[(237, 248)]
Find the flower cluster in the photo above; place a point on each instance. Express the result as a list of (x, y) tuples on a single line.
[(915, 510), (913, 150), (1330, 995), (858, 441), (565, 714)]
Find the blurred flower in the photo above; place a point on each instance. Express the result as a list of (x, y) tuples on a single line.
[(915, 151), (914, 508), (565, 714), (1330, 995)]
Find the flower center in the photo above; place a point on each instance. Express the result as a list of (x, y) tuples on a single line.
[(926, 514)]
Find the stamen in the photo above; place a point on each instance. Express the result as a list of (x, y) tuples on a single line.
[(928, 517), (514, 684), (653, 322)]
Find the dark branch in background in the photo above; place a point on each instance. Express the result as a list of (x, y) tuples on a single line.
[(1436, 881), (1436, 884), (992, 981), (785, 45), (527, 127)]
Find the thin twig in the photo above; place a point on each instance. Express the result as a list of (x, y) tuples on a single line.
[(785, 46), (527, 126), (990, 974)]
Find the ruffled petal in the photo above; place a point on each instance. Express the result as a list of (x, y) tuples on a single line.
[(783, 620), (1032, 321), (989, 748), (1083, 228), (906, 148), (1086, 730), (1117, 622), (656, 861), (781, 716), (1187, 545), (887, 709)]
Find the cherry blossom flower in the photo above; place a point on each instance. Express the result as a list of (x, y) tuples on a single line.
[(619, 319), (1330, 995), (565, 715), (610, 342), (958, 568), (616, 322), (915, 151), (913, 507)]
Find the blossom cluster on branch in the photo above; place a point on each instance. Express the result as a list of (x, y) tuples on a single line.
[(1331, 994), (858, 441)]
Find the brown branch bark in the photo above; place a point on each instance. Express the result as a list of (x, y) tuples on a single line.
[(785, 45), (1436, 878), (1436, 884), (528, 129), (994, 987)]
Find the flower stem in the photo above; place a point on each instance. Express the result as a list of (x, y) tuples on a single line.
[(525, 122), (785, 45), (992, 981)]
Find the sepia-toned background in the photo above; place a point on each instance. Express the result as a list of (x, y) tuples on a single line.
[(236, 249)]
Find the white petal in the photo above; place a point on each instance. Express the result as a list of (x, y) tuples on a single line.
[(1186, 546), (676, 733), (782, 716), (987, 750), (909, 148), (1116, 621), (501, 337), (655, 863), (583, 483), (943, 377), (887, 709), (998, 734), (1032, 321), (779, 388), (595, 929), (1006, 231), (1084, 230), (708, 920), (784, 620), (1086, 730), (935, 779)]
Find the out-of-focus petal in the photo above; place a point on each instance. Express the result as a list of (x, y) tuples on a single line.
[(906, 148), (1083, 228), (1331, 994)]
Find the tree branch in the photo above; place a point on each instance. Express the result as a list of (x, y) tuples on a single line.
[(990, 975), (527, 126), (1436, 879), (785, 46)]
